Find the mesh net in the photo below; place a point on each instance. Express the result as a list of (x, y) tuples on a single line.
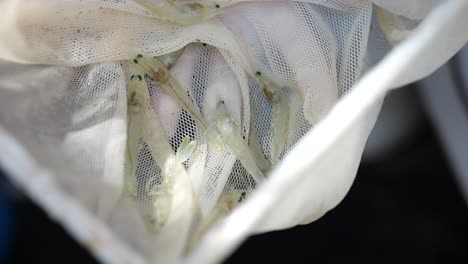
[(255, 121)]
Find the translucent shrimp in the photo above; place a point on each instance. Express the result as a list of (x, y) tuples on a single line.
[(185, 14), (169, 59), (159, 73), (254, 143), (281, 109), (226, 203), (162, 194), (144, 125), (185, 150), (280, 114), (136, 107), (227, 133), (391, 26)]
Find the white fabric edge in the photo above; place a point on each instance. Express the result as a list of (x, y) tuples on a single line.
[(39, 185)]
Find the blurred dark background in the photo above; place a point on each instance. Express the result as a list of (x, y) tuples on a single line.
[(405, 206)]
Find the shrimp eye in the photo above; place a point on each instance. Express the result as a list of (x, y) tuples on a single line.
[(135, 61), (204, 44), (220, 103), (217, 6), (258, 74), (134, 77), (139, 56)]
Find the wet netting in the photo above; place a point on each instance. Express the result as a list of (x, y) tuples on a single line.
[(168, 131)]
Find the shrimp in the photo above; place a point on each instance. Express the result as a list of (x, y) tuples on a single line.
[(391, 26), (226, 131), (226, 203), (279, 117), (144, 125), (159, 73), (136, 106), (254, 142), (162, 194), (279, 102), (184, 14), (169, 59), (185, 150)]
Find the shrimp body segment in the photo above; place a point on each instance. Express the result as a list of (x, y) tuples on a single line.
[(137, 105), (228, 134), (255, 145), (184, 14), (161, 194), (279, 117), (145, 126), (159, 73)]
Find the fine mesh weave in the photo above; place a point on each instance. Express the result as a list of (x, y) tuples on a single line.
[(66, 70)]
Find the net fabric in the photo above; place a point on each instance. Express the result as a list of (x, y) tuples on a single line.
[(63, 96), (411, 9)]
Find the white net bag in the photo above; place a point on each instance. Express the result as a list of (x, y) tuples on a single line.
[(168, 132)]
